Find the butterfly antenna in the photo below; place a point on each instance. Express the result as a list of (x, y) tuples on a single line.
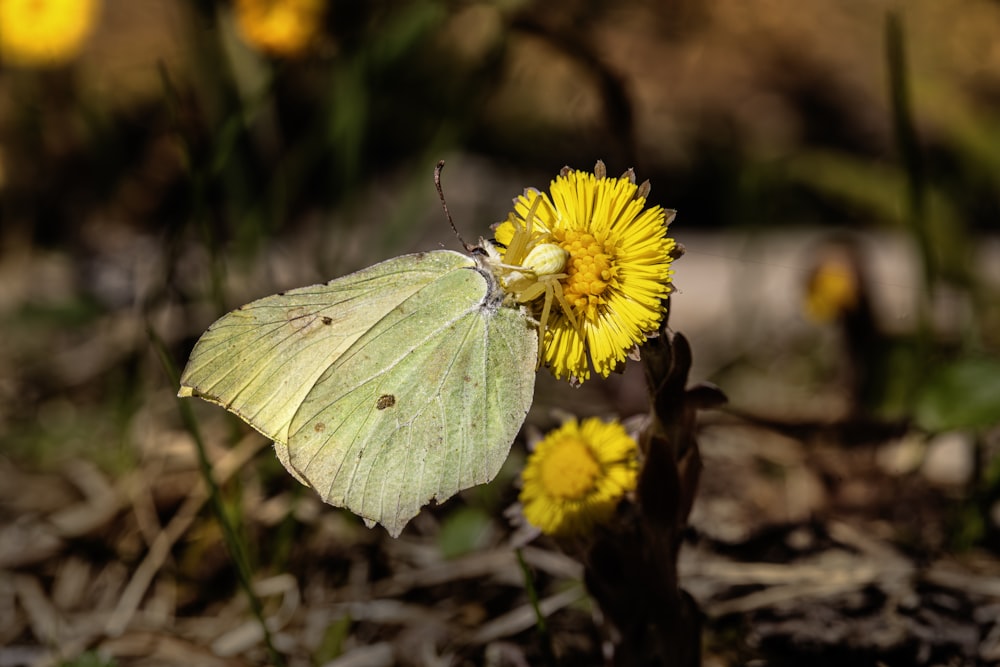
[(444, 205)]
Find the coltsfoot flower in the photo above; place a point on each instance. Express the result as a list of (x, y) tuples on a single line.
[(593, 264), (42, 33), (834, 286), (284, 28), (576, 476)]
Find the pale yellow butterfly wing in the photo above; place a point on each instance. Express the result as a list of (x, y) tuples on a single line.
[(400, 384), (434, 415)]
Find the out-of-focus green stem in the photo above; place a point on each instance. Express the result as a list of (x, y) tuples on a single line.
[(237, 550), (916, 178), (540, 622), (907, 142)]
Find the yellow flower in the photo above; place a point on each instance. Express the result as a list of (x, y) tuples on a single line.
[(607, 294), (44, 32), (285, 28), (832, 289), (577, 475)]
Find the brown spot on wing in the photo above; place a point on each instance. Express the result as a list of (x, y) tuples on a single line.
[(304, 321)]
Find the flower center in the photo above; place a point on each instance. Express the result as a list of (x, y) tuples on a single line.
[(589, 271), (569, 471)]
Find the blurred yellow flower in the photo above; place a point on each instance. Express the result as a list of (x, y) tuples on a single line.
[(832, 289), (40, 33), (284, 28), (577, 475), (606, 293)]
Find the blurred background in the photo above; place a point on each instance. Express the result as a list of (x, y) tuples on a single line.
[(836, 168)]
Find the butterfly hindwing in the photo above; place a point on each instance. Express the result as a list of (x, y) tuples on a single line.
[(434, 415)]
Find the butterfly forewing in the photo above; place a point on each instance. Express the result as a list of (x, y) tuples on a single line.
[(261, 360)]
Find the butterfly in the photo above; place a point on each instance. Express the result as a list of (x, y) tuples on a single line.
[(383, 390)]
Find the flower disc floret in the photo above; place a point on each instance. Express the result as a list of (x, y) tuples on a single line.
[(577, 475), (610, 295)]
